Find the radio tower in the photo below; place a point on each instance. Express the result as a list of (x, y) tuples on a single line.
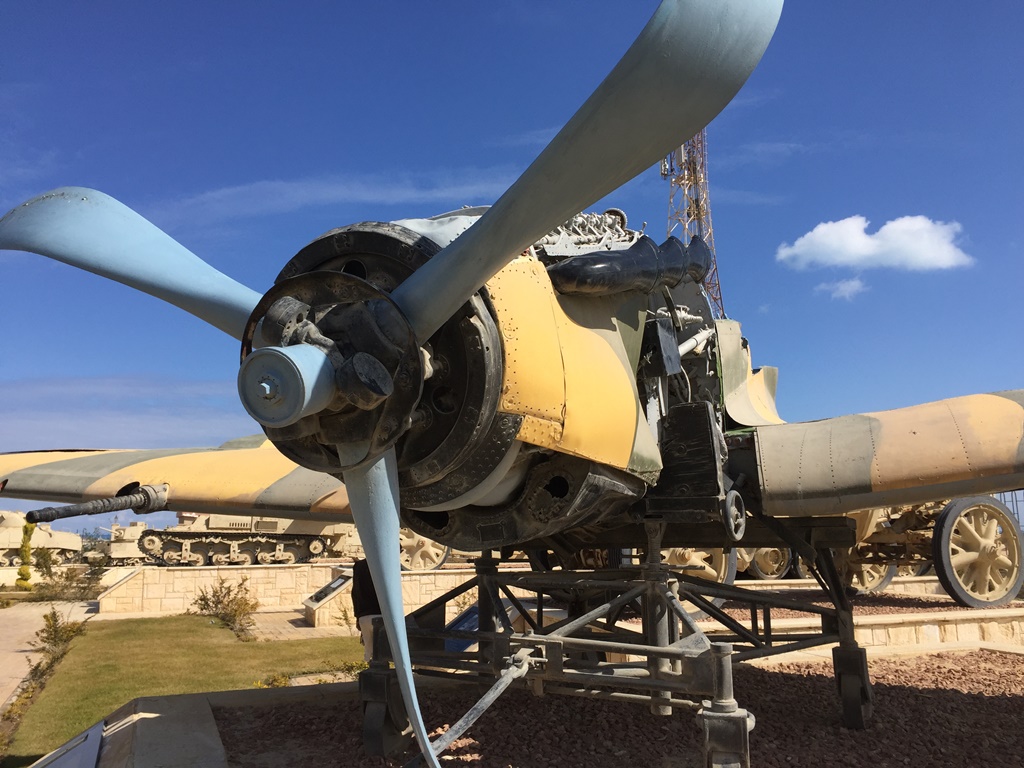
[(689, 208)]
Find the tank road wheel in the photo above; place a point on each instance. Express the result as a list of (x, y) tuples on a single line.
[(771, 563), (245, 557), (172, 555), (420, 553), (290, 556), (220, 554), (197, 557), (977, 549)]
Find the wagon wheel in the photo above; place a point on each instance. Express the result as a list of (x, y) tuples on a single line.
[(420, 553), (914, 569), (715, 565), (870, 577), (802, 568), (863, 577), (977, 550), (771, 563)]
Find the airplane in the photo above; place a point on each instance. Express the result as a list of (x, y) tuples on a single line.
[(521, 375)]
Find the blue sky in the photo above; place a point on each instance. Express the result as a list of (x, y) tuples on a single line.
[(246, 130)]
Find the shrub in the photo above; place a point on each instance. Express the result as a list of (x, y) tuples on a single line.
[(25, 553), (70, 584), (53, 641), (230, 603), (277, 680)]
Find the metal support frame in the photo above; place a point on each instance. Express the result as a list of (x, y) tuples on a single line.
[(562, 632)]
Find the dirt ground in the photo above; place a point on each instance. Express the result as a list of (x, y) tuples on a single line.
[(943, 710)]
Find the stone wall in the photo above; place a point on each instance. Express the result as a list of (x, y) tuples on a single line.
[(418, 589), (171, 590)]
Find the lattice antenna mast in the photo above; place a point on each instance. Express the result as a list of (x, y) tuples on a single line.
[(689, 207)]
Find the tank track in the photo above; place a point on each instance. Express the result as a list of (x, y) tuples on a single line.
[(226, 548)]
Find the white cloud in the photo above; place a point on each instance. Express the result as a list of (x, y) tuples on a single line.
[(270, 197), (914, 243), (843, 289)]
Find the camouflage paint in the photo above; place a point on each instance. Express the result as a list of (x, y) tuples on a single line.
[(940, 450)]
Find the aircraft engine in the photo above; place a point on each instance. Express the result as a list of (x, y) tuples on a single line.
[(458, 449)]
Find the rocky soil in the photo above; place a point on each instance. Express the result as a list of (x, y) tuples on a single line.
[(943, 710)]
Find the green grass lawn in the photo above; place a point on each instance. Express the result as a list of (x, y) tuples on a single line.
[(117, 661)]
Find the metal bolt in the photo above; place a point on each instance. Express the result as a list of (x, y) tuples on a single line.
[(268, 388)]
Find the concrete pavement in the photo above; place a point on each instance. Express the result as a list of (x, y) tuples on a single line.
[(18, 626)]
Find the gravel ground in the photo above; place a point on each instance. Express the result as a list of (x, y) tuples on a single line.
[(943, 710)]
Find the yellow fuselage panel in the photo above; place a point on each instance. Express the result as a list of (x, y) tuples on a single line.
[(568, 382), (939, 450)]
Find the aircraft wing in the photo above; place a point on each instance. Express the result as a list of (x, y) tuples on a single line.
[(245, 476)]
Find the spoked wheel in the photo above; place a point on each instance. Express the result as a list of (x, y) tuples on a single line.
[(977, 549), (915, 569), (868, 577), (771, 563), (802, 568), (420, 553), (714, 565), (864, 577)]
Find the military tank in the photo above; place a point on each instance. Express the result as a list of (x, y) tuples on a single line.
[(64, 547), (205, 539)]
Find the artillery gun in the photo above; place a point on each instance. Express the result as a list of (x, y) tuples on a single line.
[(974, 544), (64, 547), (212, 539)]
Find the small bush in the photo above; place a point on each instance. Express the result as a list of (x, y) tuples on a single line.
[(230, 603), (25, 553), (53, 641), (277, 680), (73, 583)]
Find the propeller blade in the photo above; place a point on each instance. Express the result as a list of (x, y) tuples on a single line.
[(686, 65), (93, 231), (373, 496)]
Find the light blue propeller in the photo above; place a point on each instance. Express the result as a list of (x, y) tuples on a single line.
[(93, 231), (686, 65)]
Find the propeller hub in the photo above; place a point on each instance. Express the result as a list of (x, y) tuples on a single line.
[(337, 384)]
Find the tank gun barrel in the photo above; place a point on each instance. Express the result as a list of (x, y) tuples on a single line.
[(146, 499)]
